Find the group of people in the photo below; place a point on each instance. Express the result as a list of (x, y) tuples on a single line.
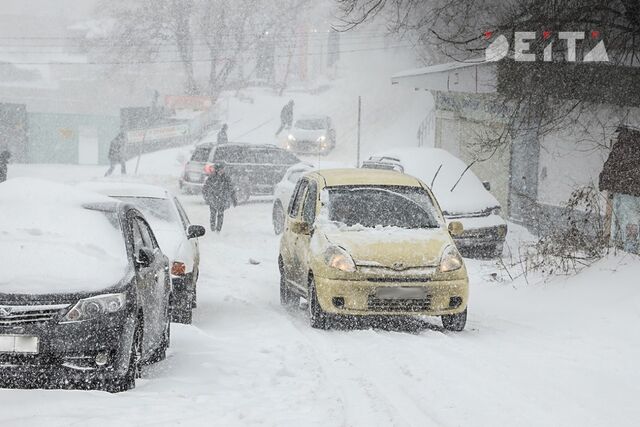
[(218, 190)]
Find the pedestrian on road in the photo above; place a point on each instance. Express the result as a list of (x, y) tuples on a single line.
[(222, 135), (116, 155), (219, 194), (286, 117), (4, 160)]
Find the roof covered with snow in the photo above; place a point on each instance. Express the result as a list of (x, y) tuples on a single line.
[(440, 170), (353, 176), (473, 76), (53, 243)]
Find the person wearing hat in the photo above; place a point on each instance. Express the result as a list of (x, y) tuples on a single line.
[(222, 134), (4, 160), (116, 154), (218, 192), (286, 117)]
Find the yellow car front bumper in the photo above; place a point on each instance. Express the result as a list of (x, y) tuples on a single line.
[(365, 298)]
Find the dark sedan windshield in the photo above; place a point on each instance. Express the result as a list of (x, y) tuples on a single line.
[(404, 207)]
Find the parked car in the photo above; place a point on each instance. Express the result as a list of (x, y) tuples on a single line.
[(361, 242), (460, 193), (255, 169), (178, 238), (311, 135), (85, 289), (283, 192)]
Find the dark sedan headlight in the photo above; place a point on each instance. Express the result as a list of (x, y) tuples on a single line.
[(93, 307)]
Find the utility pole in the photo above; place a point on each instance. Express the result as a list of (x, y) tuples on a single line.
[(359, 126)]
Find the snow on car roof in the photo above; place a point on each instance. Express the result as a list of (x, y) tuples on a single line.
[(47, 193), (355, 176), (126, 189), (53, 243), (469, 194)]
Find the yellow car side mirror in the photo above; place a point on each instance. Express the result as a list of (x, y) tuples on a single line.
[(455, 228)]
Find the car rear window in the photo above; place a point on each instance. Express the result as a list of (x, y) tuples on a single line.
[(201, 154), (231, 154)]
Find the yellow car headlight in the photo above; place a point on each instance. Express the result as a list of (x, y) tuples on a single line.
[(450, 260), (338, 258)]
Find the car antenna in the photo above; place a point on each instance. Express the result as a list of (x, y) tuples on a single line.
[(461, 175), (435, 176)]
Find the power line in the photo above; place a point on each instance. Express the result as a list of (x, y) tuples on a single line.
[(154, 49), (173, 61), (227, 33)]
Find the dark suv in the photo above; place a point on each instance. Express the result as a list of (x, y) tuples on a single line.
[(255, 169), (87, 302)]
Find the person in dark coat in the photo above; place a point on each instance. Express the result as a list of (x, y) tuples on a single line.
[(4, 160), (116, 155), (286, 117), (219, 194), (222, 134)]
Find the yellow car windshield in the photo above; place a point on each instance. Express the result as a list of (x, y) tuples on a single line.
[(404, 207)]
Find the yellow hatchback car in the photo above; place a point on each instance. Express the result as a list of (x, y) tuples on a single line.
[(364, 242)]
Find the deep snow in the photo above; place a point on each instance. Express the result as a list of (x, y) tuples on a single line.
[(561, 352)]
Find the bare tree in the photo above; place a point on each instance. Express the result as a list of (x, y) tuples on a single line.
[(214, 33)]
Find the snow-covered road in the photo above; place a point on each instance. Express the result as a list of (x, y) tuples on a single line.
[(557, 354)]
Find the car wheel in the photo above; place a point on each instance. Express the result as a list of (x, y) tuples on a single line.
[(161, 352), (278, 218), (455, 322), (134, 371), (287, 298), (183, 311), (317, 317)]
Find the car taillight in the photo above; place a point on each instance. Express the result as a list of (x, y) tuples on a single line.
[(178, 269), (208, 169)]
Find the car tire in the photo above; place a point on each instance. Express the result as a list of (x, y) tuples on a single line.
[(317, 317), (161, 352), (182, 303), (184, 314), (128, 380), (288, 299), (455, 322), (278, 218)]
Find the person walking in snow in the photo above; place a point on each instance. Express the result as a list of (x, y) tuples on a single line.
[(286, 117), (218, 192), (4, 160), (222, 134), (116, 155)]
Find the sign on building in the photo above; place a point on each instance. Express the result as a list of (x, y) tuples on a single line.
[(157, 134)]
